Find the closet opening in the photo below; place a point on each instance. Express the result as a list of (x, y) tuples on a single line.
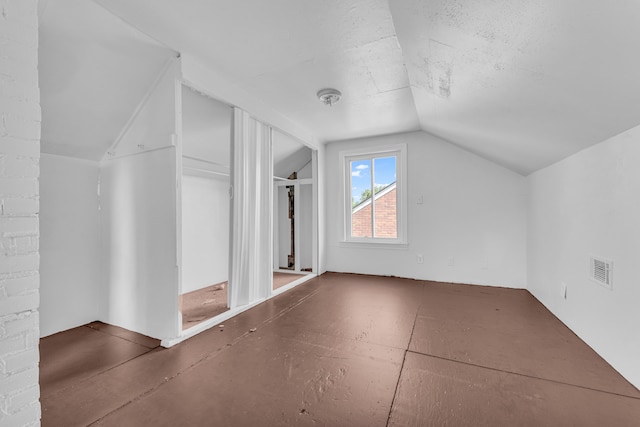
[(205, 205), (293, 212), (222, 263)]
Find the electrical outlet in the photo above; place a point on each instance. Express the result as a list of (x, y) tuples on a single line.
[(419, 258), (420, 199), (451, 261)]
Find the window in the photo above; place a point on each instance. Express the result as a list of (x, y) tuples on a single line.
[(374, 195)]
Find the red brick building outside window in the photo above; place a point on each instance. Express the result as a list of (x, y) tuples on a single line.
[(385, 215)]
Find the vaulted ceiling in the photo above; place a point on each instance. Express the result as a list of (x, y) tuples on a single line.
[(524, 83)]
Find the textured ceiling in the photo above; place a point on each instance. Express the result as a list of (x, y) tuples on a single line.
[(284, 51), (524, 83)]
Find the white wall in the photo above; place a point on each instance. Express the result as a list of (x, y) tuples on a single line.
[(152, 125), (205, 231), (474, 211), (320, 191), (588, 204), (305, 216), (19, 235), (138, 216), (69, 243)]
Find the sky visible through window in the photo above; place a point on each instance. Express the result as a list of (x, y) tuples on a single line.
[(384, 174)]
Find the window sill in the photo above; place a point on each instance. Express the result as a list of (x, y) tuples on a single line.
[(374, 245)]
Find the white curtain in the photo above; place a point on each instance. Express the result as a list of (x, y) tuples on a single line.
[(251, 273)]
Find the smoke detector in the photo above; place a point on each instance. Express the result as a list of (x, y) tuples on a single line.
[(329, 96)]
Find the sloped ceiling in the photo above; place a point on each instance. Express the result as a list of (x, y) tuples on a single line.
[(289, 155), (206, 136), (284, 51), (524, 83), (206, 128), (94, 69)]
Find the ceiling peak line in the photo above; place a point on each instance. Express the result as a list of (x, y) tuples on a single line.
[(395, 89), (378, 40), (130, 24)]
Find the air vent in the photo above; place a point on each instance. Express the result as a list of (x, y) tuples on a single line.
[(601, 271)]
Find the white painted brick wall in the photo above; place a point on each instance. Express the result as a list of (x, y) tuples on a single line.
[(19, 205)]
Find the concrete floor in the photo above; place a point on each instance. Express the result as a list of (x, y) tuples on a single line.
[(206, 303), (202, 304), (344, 350), (282, 279)]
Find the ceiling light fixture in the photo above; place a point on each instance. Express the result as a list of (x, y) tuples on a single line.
[(329, 96)]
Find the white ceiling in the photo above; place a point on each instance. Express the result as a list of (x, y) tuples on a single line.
[(284, 51), (524, 83), (206, 128), (289, 155), (94, 70), (206, 136)]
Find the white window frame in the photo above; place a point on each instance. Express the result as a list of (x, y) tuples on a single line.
[(400, 151)]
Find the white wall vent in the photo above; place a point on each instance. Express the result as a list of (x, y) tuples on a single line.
[(601, 271)]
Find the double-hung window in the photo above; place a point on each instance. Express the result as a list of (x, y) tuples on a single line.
[(375, 197)]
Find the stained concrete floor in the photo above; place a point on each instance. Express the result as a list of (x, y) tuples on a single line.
[(206, 303), (202, 304), (344, 350), (282, 279)]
